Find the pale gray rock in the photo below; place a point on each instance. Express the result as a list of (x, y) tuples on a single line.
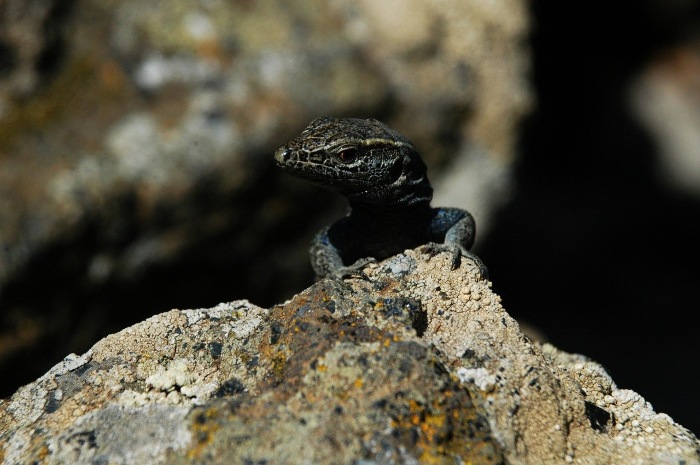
[(665, 99)]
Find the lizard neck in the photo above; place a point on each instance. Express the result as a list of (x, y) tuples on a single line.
[(382, 226), (374, 210)]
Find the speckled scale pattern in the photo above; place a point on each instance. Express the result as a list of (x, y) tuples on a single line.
[(326, 131)]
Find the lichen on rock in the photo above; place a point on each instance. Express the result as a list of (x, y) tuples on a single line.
[(417, 363)]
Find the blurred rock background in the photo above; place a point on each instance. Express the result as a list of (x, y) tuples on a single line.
[(136, 175), (136, 143)]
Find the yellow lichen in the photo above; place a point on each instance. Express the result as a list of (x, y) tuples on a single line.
[(203, 429)]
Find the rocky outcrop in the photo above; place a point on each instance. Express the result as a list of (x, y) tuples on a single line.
[(415, 364)]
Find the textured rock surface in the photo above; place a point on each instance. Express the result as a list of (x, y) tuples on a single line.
[(416, 363), (149, 142)]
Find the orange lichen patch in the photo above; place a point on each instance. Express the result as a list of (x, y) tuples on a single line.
[(112, 78), (211, 49), (279, 363), (43, 452), (203, 428), (312, 397), (359, 382), (442, 430)]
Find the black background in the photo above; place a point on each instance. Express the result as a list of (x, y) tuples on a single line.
[(595, 250)]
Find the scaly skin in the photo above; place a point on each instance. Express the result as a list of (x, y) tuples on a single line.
[(384, 179)]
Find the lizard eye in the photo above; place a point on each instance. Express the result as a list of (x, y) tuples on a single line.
[(347, 155)]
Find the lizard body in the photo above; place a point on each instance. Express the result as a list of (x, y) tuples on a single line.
[(383, 177)]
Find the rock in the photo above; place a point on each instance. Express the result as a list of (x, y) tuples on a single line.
[(148, 146), (416, 364), (28, 39), (666, 100)]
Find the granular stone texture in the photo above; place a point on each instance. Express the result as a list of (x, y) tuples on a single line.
[(417, 363)]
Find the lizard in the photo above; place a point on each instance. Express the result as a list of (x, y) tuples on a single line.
[(385, 180)]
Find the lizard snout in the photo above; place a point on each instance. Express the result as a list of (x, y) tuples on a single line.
[(282, 155)]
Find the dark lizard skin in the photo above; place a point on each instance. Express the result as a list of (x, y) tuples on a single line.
[(385, 180)]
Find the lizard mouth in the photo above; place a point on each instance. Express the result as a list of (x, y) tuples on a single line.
[(314, 167)]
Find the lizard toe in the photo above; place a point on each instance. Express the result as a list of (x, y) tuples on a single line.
[(356, 270), (457, 251)]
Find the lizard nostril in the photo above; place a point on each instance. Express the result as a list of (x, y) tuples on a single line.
[(282, 154)]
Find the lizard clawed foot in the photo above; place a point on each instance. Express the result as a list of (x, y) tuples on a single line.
[(457, 251), (355, 270)]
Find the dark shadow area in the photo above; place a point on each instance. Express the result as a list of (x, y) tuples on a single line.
[(54, 50), (594, 250)]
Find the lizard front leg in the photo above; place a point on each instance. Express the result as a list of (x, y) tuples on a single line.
[(456, 229), (326, 257)]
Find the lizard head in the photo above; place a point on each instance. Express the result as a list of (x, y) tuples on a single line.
[(363, 159)]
